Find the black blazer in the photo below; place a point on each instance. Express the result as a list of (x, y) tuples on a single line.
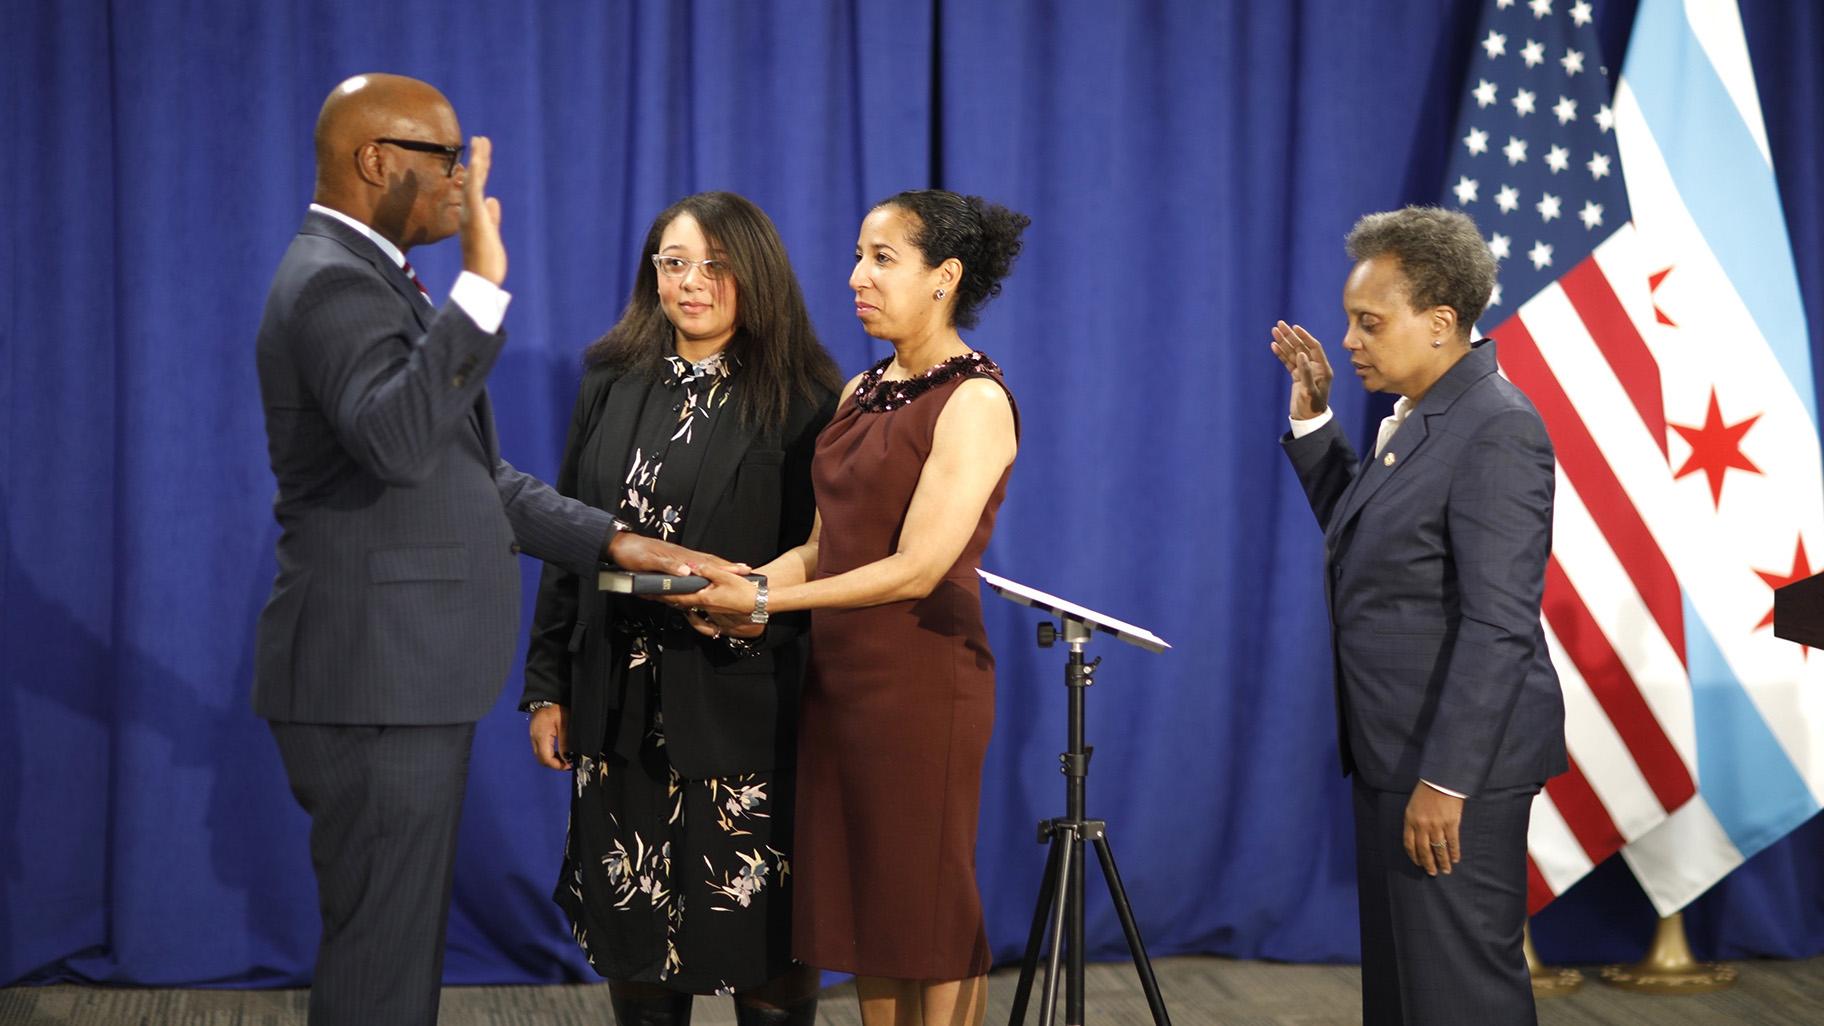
[(397, 595), (724, 714)]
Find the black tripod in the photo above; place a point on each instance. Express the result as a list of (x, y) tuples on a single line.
[(1060, 904)]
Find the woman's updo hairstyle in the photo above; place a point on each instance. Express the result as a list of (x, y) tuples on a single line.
[(984, 236)]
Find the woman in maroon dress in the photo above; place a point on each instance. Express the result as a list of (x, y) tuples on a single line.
[(900, 700)]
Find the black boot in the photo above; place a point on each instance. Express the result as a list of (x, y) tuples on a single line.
[(803, 1013), (668, 1009)]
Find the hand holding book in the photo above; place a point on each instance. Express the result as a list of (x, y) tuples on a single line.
[(732, 591)]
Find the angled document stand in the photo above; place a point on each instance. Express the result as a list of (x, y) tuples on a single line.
[(1060, 906)]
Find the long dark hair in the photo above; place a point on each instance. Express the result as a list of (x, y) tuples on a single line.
[(774, 341)]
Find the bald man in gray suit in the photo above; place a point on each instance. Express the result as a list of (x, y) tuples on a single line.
[(393, 619)]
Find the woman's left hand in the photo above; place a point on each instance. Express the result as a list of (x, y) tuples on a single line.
[(728, 593)]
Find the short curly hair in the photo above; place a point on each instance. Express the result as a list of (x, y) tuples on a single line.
[(1441, 253), (983, 236)]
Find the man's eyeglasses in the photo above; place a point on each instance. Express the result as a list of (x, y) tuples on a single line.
[(452, 155), (677, 267)]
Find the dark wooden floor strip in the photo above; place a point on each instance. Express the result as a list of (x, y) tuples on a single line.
[(1198, 992)]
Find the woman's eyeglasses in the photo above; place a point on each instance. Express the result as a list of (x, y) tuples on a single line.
[(677, 267)]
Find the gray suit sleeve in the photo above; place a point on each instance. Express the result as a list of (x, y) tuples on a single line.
[(393, 401), (551, 526)]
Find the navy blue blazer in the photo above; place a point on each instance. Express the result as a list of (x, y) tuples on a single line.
[(397, 596), (1436, 557)]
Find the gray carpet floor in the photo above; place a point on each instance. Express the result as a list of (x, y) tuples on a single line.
[(1198, 992)]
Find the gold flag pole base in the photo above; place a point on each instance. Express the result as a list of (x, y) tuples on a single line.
[(1548, 981), (1669, 967)]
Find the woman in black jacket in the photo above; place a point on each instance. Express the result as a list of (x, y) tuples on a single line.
[(695, 423)]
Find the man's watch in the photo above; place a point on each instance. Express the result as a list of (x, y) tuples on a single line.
[(759, 615)]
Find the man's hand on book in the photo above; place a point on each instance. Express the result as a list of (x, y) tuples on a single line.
[(631, 551)]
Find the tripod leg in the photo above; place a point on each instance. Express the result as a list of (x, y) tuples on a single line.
[(1048, 1001), (1142, 964), (1029, 966), (1073, 977)]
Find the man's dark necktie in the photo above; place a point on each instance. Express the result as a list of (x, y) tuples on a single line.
[(409, 273)]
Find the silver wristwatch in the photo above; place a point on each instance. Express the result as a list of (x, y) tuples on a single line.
[(759, 615)]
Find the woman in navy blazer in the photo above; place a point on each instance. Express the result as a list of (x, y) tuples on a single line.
[(1450, 715), (695, 424)]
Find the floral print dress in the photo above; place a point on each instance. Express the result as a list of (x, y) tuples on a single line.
[(666, 879)]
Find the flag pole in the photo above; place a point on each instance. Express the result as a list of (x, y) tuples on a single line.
[(1669, 967)]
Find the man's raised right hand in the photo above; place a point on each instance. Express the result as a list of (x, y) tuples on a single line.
[(482, 251)]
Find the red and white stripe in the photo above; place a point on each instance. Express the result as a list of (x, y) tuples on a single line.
[(1613, 611)]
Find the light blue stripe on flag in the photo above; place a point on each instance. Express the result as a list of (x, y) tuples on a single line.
[(1722, 178), (1743, 773)]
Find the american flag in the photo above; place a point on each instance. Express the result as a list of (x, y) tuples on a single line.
[(1615, 318)]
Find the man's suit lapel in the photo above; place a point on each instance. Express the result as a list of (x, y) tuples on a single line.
[(361, 246), (422, 311)]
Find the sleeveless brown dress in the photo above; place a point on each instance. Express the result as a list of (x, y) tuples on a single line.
[(896, 712)]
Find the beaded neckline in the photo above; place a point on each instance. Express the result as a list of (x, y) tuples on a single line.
[(872, 395)]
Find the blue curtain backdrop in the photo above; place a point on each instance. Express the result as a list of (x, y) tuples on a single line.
[(1190, 169)]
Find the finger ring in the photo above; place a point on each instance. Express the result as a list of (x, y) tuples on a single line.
[(1438, 844)]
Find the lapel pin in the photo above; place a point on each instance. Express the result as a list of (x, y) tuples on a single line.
[(1387, 460)]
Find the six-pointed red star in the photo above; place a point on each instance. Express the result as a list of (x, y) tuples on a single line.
[(1801, 569), (1653, 281), (1716, 448)]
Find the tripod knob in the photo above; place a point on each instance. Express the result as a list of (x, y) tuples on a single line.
[(1048, 633)]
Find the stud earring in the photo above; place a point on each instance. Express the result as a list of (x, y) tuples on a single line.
[(939, 294), (1436, 342)]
